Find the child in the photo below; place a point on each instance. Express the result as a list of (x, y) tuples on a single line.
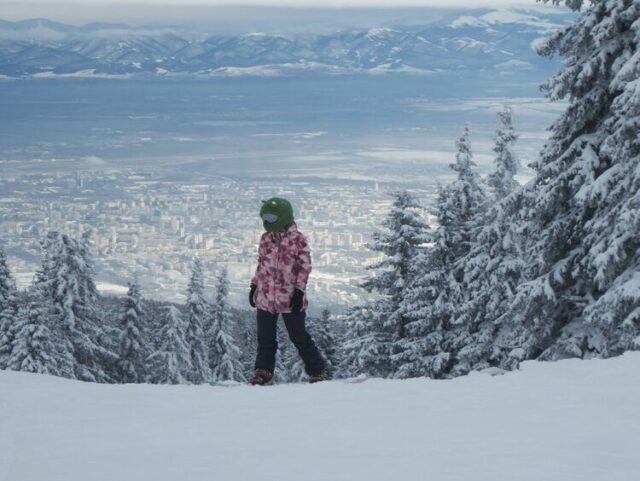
[(278, 287)]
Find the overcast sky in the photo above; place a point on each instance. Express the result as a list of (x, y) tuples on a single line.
[(287, 3), (239, 14)]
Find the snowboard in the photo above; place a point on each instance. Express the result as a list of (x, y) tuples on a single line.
[(356, 380)]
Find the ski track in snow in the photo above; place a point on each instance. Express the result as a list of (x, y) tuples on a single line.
[(570, 420)]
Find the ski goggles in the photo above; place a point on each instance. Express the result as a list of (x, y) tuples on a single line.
[(270, 218)]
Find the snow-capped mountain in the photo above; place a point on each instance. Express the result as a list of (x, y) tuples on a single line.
[(478, 40)]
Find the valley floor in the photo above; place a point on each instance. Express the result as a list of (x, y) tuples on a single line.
[(570, 420)]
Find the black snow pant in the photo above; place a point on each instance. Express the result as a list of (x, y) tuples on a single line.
[(268, 343)]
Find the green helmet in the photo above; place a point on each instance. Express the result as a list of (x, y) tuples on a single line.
[(276, 214)]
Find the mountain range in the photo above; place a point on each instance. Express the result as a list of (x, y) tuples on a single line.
[(474, 40)]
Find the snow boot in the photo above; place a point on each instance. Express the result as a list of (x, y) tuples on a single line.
[(262, 377), (320, 376)]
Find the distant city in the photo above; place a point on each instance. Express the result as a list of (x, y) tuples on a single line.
[(150, 230), (162, 145)]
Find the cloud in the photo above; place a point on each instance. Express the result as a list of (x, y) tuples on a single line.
[(226, 16), (291, 3), (95, 160), (36, 33)]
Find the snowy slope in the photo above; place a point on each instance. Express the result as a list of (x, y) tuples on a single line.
[(571, 420)]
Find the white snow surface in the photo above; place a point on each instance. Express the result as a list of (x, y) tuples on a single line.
[(504, 16), (569, 420)]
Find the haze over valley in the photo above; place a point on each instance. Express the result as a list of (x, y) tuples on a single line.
[(164, 142)]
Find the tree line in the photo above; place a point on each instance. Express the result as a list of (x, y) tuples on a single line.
[(63, 327), (547, 270)]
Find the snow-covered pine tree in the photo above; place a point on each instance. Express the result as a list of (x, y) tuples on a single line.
[(132, 349), (247, 335), (405, 231), (224, 355), (583, 297), (34, 346), (42, 322), (65, 288), (428, 306), (8, 310), (367, 343), (171, 362), (462, 201), (460, 207), (196, 314), (154, 320), (494, 264), (322, 331), (435, 301), (502, 179)]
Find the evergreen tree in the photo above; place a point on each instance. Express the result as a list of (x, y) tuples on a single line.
[(383, 331), (8, 310), (405, 232), (323, 333), (494, 265), (367, 345), (581, 297), (171, 362), (34, 347), (65, 289), (132, 352), (493, 269), (502, 180), (460, 205), (429, 305), (435, 303), (460, 202), (224, 355), (247, 333), (197, 312)]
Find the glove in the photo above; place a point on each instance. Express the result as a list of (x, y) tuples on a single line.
[(296, 301), (251, 293)]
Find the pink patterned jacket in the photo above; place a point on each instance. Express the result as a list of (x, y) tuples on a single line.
[(284, 264)]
